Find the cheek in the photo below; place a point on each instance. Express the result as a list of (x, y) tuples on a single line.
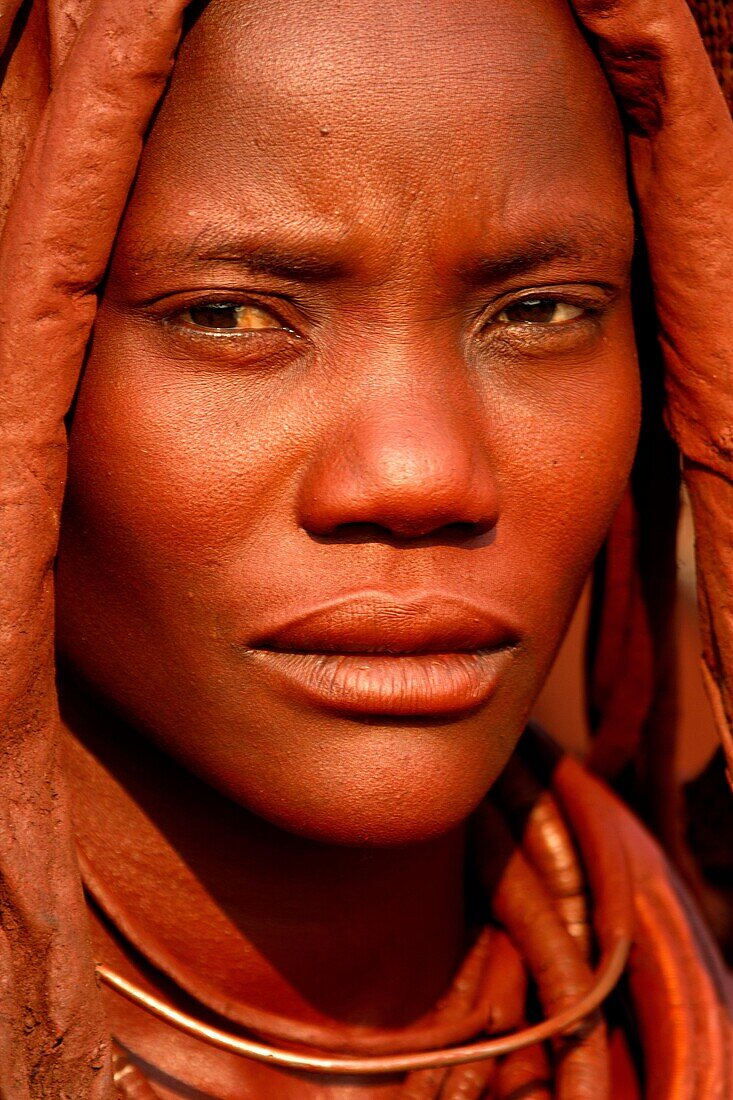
[(570, 463), (567, 468), (170, 477), (169, 471)]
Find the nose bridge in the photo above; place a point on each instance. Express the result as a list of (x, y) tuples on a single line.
[(409, 453), (423, 437)]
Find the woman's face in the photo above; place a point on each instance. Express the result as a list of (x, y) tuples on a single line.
[(360, 405)]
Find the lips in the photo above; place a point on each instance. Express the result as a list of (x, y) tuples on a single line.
[(429, 654)]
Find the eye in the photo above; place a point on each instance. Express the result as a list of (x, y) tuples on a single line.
[(540, 311), (230, 317)]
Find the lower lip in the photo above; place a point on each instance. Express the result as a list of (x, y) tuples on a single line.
[(400, 684)]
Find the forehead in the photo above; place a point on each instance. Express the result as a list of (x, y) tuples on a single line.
[(347, 113)]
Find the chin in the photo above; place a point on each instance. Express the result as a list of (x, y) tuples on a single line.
[(367, 783), (353, 821)]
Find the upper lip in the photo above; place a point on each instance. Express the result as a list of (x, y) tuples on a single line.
[(375, 622)]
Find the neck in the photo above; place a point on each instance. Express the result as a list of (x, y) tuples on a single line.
[(311, 931)]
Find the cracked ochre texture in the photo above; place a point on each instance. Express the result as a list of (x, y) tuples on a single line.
[(66, 164)]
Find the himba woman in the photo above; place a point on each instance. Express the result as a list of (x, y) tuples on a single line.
[(338, 314)]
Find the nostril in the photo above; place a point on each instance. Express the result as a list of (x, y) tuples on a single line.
[(355, 533), (461, 532)]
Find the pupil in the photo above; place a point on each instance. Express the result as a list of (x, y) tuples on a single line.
[(214, 316), (540, 311)]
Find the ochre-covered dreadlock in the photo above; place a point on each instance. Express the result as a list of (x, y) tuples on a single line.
[(79, 152), (631, 657)]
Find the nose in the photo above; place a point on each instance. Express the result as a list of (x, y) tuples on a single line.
[(412, 464)]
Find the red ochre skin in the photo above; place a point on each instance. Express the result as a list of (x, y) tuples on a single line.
[(383, 446), (53, 256), (388, 436)]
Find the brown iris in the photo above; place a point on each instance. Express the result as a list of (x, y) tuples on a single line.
[(230, 316), (540, 311)]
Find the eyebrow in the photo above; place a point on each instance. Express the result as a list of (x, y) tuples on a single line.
[(589, 240), (301, 259), (273, 259)]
